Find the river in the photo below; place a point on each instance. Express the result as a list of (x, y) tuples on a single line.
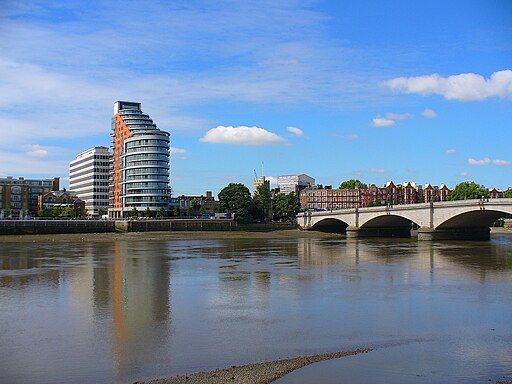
[(121, 308)]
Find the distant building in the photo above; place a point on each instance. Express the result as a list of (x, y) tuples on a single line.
[(205, 203), (261, 181), (294, 183), (433, 193), (56, 201), (140, 162), (19, 197), (495, 193), (89, 177), (318, 197)]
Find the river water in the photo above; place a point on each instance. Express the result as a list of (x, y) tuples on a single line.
[(126, 309)]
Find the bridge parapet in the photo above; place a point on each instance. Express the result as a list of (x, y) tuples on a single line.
[(463, 219)]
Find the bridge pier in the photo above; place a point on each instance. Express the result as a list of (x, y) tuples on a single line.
[(429, 234), (358, 232)]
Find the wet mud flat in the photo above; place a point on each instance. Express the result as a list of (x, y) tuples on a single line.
[(193, 235), (258, 373)]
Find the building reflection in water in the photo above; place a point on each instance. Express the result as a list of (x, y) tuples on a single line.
[(140, 300), (127, 284)]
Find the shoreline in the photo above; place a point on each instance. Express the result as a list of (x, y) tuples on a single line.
[(183, 235), (256, 373), (177, 235)]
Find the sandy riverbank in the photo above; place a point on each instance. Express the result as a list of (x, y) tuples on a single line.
[(74, 237), (258, 373)]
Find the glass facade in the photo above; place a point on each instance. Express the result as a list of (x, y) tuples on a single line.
[(143, 161)]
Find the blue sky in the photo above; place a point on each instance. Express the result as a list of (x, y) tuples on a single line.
[(379, 91)]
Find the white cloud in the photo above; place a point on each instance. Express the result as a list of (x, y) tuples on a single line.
[(36, 150), (376, 170), (241, 136), (464, 174), (429, 113), (296, 131), (451, 151), (382, 122), (398, 116), (485, 161), (463, 87), (501, 163), (178, 150)]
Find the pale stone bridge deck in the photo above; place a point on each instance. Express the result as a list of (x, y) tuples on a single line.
[(463, 219)]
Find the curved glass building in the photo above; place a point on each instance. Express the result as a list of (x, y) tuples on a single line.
[(140, 169)]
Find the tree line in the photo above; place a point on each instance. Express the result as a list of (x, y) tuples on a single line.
[(262, 207)]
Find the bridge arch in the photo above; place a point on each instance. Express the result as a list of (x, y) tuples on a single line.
[(388, 221), (331, 225), (473, 219)]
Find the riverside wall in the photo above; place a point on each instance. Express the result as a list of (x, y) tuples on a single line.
[(22, 227), (175, 225)]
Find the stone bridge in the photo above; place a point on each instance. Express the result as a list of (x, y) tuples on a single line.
[(463, 219)]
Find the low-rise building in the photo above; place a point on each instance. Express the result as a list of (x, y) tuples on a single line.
[(54, 203), (205, 203), (19, 197)]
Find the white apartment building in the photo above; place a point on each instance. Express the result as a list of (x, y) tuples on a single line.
[(89, 177), (294, 183)]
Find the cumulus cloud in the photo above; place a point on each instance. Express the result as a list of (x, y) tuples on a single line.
[(429, 113), (501, 163), (398, 116), (382, 122), (296, 131), (241, 135), (36, 150), (463, 87), (451, 151), (178, 150), (376, 170), (464, 174), (487, 161)]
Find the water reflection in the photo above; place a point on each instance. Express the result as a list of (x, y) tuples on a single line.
[(118, 311)]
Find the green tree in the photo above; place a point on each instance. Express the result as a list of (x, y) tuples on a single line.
[(135, 213), (67, 212), (262, 204), (161, 212), (176, 211), (40, 213), (236, 198), (194, 204), (101, 212), (508, 193), (375, 203), (468, 190), (147, 212), (285, 207), (352, 184)]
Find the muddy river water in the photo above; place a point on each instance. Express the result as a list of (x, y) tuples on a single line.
[(130, 308)]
